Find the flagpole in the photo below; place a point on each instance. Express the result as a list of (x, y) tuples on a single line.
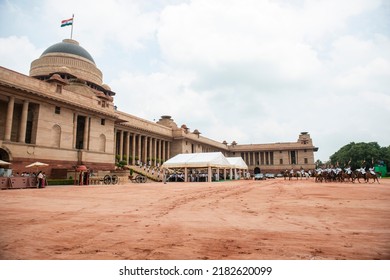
[(71, 31)]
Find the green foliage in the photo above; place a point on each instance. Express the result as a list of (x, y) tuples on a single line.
[(318, 163), (358, 152), (60, 182), (121, 163)]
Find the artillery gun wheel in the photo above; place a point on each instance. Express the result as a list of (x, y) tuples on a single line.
[(107, 179), (114, 179)]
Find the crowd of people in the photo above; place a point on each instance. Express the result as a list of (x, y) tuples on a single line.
[(40, 177), (149, 168)]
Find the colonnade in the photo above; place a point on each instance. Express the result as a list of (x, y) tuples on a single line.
[(134, 147), (258, 158), (9, 120)]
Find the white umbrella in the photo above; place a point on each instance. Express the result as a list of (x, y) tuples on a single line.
[(2, 162), (37, 164)]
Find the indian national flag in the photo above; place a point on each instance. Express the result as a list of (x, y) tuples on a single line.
[(67, 22)]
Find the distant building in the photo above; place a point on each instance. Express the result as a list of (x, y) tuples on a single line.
[(62, 114)]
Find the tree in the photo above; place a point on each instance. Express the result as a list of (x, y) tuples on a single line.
[(318, 163), (359, 152)]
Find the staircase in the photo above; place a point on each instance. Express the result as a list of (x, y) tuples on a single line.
[(150, 175)]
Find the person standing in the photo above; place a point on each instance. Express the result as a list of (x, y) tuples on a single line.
[(40, 179)]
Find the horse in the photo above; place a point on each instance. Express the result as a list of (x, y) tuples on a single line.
[(302, 174), (370, 175), (359, 174), (350, 176), (318, 175), (287, 174)]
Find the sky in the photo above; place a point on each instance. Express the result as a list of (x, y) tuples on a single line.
[(250, 71)]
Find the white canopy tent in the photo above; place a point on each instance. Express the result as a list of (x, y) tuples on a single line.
[(237, 163), (197, 160), (203, 160)]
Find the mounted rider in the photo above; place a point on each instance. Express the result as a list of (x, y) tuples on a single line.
[(362, 169), (347, 168)]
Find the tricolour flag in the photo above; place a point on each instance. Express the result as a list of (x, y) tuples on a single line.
[(67, 22)]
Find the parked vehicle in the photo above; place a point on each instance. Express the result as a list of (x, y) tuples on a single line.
[(259, 176), (270, 176)]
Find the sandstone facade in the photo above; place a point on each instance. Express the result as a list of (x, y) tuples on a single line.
[(64, 115)]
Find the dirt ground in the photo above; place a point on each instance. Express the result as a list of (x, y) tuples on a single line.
[(273, 219)]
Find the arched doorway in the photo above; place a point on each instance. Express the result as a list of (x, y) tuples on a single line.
[(4, 155), (257, 170)]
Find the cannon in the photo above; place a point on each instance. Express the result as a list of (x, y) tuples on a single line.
[(110, 179), (138, 179)]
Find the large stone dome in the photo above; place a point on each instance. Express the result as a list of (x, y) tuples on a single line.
[(69, 58), (71, 47)]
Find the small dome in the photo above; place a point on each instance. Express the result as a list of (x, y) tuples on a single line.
[(106, 87), (69, 46)]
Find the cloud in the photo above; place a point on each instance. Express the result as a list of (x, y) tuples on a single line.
[(15, 51), (250, 71)]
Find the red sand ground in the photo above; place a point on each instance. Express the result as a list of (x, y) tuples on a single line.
[(273, 219)]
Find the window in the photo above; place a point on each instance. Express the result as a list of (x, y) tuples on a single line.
[(306, 161), (57, 110), (103, 122), (56, 136), (293, 157), (281, 161), (58, 89)]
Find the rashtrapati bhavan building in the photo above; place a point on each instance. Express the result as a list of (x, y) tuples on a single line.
[(64, 115)]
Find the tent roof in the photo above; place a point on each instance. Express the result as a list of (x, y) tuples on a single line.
[(237, 162), (215, 159)]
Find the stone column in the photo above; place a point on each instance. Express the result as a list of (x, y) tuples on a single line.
[(114, 146), (85, 138), (150, 149), (168, 150), (74, 130), (145, 155), (163, 151), (127, 147), (159, 149), (9, 118), (139, 147), (133, 149), (121, 145), (155, 151), (23, 122)]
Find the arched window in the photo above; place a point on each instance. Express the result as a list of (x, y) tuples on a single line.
[(102, 143), (56, 136)]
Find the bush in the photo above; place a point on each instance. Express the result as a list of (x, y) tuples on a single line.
[(61, 182)]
